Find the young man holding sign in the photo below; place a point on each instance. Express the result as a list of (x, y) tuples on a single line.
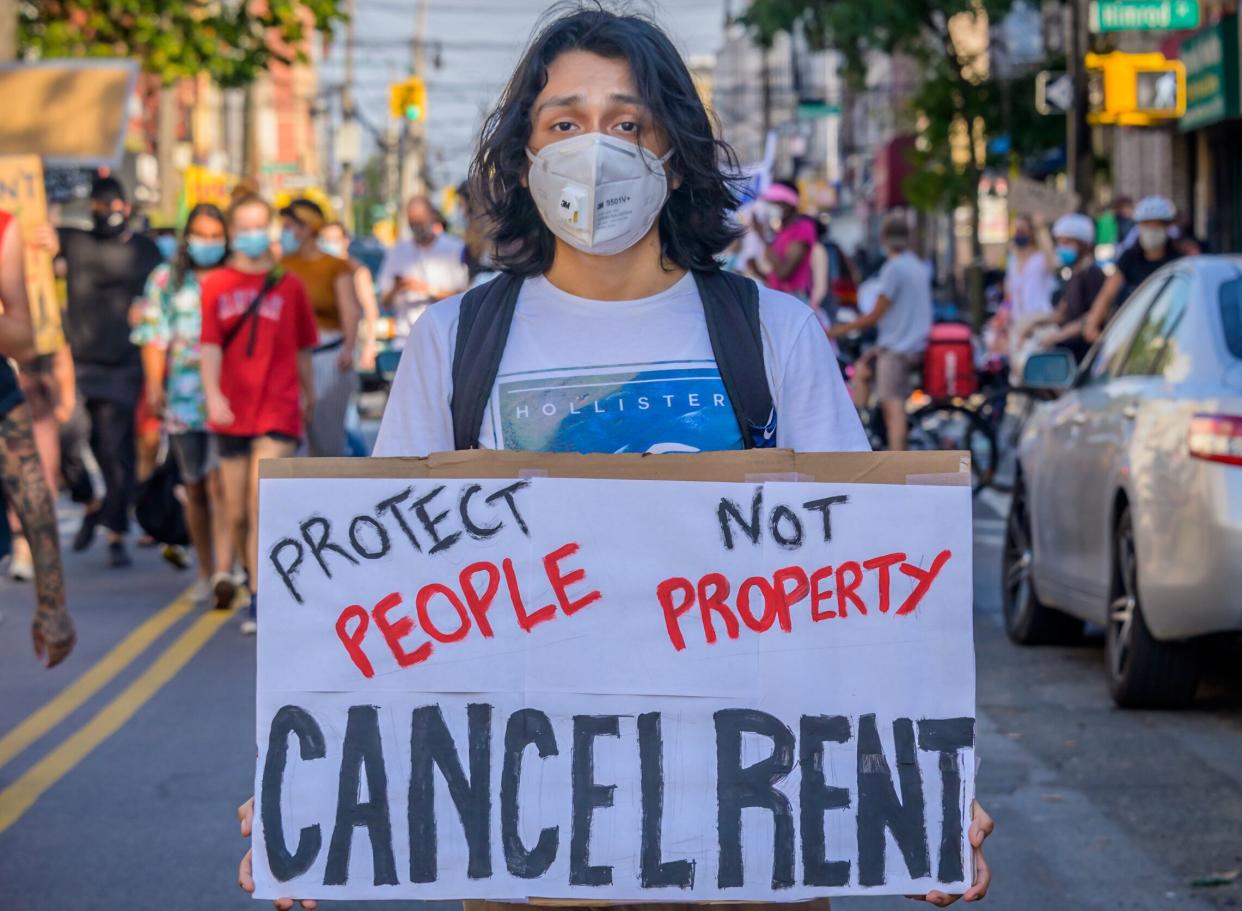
[(612, 329)]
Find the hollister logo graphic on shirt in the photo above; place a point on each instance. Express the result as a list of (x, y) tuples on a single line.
[(646, 408), (235, 303)]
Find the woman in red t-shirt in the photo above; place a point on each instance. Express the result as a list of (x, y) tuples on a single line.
[(258, 333)]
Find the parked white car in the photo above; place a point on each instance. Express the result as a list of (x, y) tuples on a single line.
[(1127, 512)]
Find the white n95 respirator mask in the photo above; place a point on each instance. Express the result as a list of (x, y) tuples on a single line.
[(598, 194)]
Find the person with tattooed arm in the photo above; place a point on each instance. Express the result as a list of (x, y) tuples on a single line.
[(21, 472)]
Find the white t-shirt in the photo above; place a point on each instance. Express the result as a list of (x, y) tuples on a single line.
[(1030, 287), (439, 266), (582, 375), (906, 281)]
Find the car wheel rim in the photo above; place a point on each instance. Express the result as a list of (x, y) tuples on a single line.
[(1121, 610)]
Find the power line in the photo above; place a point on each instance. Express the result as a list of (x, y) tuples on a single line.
[(451, 44), (397, 6)]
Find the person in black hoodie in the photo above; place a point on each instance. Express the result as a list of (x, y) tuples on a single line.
[(106, 269)]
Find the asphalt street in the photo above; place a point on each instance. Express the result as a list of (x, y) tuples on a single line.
[(120, 771)]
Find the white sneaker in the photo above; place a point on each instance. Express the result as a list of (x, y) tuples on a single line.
[(21, 569), (249, 627), (201, 591)]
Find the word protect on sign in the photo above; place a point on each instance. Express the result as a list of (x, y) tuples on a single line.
[(613, 690)]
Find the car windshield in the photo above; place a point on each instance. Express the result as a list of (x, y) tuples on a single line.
[(1231, 315)]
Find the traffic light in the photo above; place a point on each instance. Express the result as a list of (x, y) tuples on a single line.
[(1136, 90), (408, 100)]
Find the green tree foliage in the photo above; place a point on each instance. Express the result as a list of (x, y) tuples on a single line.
[(233, 41), (954, 94)]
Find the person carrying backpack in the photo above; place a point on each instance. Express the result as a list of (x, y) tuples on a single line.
[(612, 327)]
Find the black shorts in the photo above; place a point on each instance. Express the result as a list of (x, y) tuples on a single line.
[(234, 447), (10, 390), (197, 454)]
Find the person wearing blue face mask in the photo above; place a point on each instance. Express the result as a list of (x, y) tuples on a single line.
[(1030, 283), (1074, 237), (166, 240), (334, 240), (169, 335), (329, 284)]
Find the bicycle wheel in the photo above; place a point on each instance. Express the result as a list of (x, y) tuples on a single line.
[(945, 426)]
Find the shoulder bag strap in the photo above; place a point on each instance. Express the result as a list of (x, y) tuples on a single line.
[(482, 333), (731, 306)]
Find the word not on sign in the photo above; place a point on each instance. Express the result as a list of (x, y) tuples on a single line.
[(612, 689)]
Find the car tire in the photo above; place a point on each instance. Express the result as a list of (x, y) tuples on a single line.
[(1028, 621), (1143, 673)]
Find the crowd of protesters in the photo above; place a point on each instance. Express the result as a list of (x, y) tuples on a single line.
[(198, 353)]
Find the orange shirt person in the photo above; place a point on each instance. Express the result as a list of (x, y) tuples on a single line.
[(329, 282)]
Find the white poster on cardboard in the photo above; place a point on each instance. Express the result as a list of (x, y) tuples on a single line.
[(612, 690)]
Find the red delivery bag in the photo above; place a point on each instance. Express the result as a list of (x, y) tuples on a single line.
[(949, 365)]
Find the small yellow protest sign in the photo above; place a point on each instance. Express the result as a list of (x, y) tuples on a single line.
[(22, 196)]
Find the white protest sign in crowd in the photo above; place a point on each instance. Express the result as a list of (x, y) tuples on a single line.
[(613, 690)]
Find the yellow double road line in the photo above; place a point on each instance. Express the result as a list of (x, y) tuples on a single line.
[(100, 675), (18, 797)]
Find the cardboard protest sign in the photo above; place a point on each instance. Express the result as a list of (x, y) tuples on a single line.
[(71, 113), (479, 679), (22, 196)]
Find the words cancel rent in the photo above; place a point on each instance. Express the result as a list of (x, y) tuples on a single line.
[(613, 690)]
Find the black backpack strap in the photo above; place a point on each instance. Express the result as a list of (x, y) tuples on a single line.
[(731, 305), (482, 333), (251, 315)]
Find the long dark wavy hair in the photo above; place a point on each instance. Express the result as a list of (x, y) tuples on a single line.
[(182, 264), (694, 224)]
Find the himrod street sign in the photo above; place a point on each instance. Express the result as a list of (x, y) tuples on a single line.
[(1144, 15)]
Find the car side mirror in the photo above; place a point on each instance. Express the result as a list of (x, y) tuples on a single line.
[(1049, 371)]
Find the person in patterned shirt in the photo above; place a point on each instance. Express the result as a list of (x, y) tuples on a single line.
[(169, 336)]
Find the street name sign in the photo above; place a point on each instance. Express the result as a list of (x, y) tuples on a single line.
[(499, 683), (1144, 15)]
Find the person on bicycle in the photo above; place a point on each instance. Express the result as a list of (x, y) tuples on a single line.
[(1074, 236), (903, 316)]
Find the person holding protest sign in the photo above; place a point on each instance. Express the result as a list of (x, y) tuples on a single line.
[(610, 196), (22, 478), (258, 333)]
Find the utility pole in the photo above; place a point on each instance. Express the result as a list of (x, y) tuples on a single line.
[(392, 161), (166, 146), (413, 181), (347, 115), (765, 79), (1080, 158), (8, 30)]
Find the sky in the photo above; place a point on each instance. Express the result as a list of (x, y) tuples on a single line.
[(477, 43)]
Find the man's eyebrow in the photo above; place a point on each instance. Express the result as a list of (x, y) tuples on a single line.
[(622, 98), (567, 101), (559, 101)]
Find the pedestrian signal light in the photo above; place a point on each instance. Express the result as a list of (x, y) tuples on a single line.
[(1135, 90), (408, 100)]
